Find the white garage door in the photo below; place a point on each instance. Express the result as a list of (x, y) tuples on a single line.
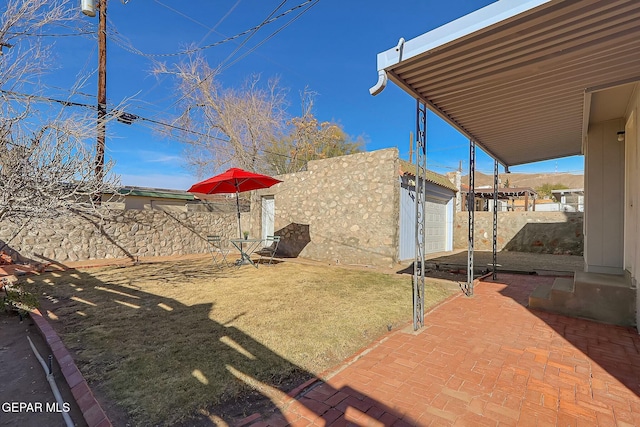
[(435, 223), (435, 226)]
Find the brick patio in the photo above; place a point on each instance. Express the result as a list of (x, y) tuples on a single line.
[(485, 360)]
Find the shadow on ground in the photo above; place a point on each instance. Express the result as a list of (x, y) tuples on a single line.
[(615, 349), (249, 376)]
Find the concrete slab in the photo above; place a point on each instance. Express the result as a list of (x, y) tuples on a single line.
[(542, 291), (512, 261), (563, 284), (620, 281)]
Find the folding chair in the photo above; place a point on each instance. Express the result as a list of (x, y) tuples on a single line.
[(216, 250), (270, 248)]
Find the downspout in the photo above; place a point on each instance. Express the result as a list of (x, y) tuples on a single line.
[(380, 85), (382, 74)]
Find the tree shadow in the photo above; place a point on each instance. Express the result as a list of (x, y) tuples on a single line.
[(293, 239), (550, 238), (171, 346)]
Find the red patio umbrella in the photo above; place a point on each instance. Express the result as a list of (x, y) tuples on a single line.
[(234, 180)]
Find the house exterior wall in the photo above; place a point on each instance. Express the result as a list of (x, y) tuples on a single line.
[(118, 234), (604, 199), (538, 232), (632, 195), (147, 203), (341, 210)]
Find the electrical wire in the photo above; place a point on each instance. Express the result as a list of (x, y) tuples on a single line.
[(253, 49), (127, 117), (181, 129), (215, 71), (82, 33), (220, 42), (252, 33), (220, 21)]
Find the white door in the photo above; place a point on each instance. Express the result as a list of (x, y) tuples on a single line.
[(268, 215)]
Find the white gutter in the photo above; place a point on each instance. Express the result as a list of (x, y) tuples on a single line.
[(382, 74), (464, 26)]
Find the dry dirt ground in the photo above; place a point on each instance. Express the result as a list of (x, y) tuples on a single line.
[(23, 380)]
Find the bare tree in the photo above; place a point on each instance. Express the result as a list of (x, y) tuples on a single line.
[(46, 161), (306, 139), (227, 127)]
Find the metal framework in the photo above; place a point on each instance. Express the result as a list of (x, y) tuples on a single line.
[(421, 195), (471, 208), (495, 218)]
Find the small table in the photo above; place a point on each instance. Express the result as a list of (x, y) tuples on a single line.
[(246, 247)]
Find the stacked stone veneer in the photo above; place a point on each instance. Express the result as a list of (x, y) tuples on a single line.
[(538, 232), (341, 210), (118, 234)]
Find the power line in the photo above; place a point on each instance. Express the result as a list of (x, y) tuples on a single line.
[(128, 118), (253, 32), (267, 21), (82, 33), (270, 36), (220, 21), (217, 70)]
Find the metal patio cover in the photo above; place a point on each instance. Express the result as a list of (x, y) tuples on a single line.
[(517, 76)]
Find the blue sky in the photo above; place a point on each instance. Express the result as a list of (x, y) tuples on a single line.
[(331, 49)]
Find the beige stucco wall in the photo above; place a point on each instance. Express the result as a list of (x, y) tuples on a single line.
[(147, 203), (539, 232), (604, 198), (348, 204), (632, 194), (119, 234)]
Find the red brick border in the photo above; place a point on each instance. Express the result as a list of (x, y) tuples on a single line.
[(92, 412)]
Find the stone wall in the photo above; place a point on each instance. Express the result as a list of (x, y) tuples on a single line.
[(341, 210), (539, 232), (120, 234)]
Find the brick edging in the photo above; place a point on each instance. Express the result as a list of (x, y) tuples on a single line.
[(92, 412)]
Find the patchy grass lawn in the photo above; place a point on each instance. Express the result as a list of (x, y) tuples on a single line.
[(168, 340)]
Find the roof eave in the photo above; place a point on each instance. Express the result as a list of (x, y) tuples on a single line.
[(456, 30)]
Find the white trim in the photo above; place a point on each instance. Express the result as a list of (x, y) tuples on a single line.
[(462, 27)]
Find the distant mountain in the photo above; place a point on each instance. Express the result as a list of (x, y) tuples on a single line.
[(532, 180)]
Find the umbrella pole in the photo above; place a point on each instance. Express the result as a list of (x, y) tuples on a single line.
[(238, 206)]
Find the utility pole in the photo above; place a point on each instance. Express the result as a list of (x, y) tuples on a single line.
[(102, 89), (89, 9)]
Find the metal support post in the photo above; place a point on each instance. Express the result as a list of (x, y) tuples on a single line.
[(421, 195), (471, 207), (495, 218)]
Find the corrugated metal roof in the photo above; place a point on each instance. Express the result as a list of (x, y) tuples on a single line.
[(433, 177), (517, 85)]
